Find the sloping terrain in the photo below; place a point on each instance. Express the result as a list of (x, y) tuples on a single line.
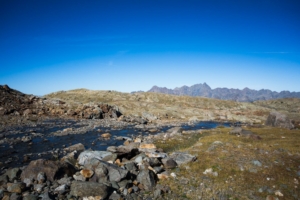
[(172, 107), (232, 167)]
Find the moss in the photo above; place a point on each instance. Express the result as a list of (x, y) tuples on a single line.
[(278, 151)]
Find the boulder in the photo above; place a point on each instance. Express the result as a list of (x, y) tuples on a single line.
[(147, 178), (182, 157), (86, 189), (174, 131), (16, 187), (149, 116), (236, 131), (106, 135), (147, 147), (278, 119), (169, 163), (87, 173), (103, 169), (76, 147), (52, 169), (87, 156), (13, 173)]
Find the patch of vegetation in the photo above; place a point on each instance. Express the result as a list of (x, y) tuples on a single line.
[(247, 168), (178, 143)]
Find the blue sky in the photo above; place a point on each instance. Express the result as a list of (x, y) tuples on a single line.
[(126, 46)]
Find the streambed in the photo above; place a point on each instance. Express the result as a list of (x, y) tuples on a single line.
[(47, 139)]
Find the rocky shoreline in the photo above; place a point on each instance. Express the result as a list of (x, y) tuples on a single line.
[(127, 171)]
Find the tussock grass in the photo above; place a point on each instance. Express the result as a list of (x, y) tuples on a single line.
[(233, 159)]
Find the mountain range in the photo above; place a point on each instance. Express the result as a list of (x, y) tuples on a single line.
[(244, 95)]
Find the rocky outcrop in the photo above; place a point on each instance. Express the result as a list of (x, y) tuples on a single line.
[(278, 119), (126, 171), (52, 170), (245, 95), (15, 103)]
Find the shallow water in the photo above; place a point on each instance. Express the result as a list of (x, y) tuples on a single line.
[(43, 146)]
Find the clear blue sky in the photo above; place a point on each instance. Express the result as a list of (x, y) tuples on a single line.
[(123, 45)]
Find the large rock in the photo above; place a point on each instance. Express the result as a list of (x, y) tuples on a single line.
[(86, 189), (103, 169), (236, 130), (182, 158), (52, 169), (76, 147), (87, 156), (169, 163), (175, 131), (147, 178), (16, 187), (278, 119), (149, 116)]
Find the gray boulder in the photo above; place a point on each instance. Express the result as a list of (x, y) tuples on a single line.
[(87, 156), (236, 130), (175, 131), (182, 157), (278, 119), (169, 163), (76, 147), (149, 116), (103, 169), (86, 189), (147, 178)]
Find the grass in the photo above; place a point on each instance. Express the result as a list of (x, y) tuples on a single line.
[(238, 177), (175, 106)]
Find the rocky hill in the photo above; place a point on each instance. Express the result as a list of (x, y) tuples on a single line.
[(167, 107), (17, 107), (245, 95), (138, 107)]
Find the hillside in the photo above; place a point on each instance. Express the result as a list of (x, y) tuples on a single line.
[(245, 95), (172, 107)]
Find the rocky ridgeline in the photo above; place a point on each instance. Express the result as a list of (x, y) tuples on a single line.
[(15, 103), (129, 171)]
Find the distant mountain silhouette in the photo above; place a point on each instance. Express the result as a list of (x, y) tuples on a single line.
[(245, 95)]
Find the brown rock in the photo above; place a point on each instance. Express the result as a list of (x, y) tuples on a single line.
[(52, 169), (106, 135), (87, 173), (78, 147), (16, 187)]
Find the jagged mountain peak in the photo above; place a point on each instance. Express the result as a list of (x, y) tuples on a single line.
[(244, 95)]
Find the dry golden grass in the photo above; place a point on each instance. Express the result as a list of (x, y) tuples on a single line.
[(278, 152), (169, 107)]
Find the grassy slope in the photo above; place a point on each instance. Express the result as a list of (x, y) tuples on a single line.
[(278, 152), (170, 106)]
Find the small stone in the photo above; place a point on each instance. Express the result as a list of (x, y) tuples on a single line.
[(256, 163), (41, 177), (30, 197), (38, 187), (15, 196), (84, 189), (87, 173), (115, 196), (106, 135), (270, 197), (147, 147), (16, 187), (61, 189), (278, 193), (169, 163), (79, 177), (28, 182)]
